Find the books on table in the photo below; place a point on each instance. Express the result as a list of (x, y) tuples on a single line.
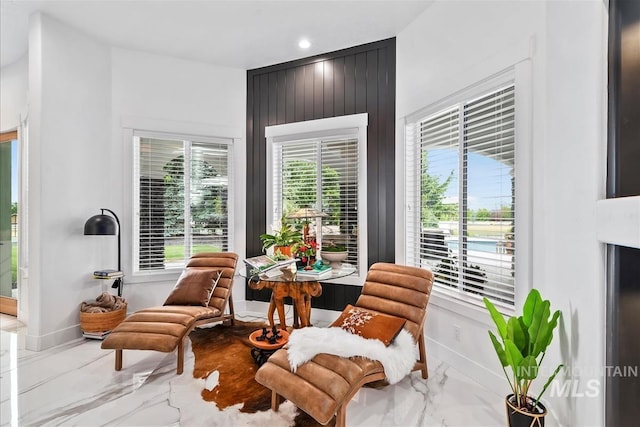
[(264, 265), (96, 335), (107, 274), (315, 274)]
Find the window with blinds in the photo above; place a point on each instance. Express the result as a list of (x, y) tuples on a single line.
[(181, 199), (461, 196), (321, 174)]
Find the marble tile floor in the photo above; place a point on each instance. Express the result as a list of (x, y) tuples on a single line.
[(75, 385)]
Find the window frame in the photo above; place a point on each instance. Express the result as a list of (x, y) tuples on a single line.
[(351, 125), (520, 75), (163, 128)]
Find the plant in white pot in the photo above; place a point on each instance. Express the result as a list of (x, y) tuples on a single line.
[(521, 346), (333, 253)]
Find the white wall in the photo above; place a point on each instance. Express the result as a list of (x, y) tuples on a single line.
[(13, 93), (453, 45), (159, 93), (81, 95), (69, 119)]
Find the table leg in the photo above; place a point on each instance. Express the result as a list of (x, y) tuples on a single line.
[(296, 324), (307, 304), (302, 310), (280, 307), (272, 308)]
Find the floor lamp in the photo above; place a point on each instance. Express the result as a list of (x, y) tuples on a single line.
[(105, 225)]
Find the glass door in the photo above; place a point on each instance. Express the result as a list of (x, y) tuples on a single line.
[(9, 174)]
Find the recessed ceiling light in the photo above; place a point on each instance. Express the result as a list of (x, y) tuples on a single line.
[(304, 44)]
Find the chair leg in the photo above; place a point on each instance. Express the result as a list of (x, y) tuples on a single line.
[(341, 416), (231, 311), (423, 357), (118, 360), (180, 356), (275, 401)]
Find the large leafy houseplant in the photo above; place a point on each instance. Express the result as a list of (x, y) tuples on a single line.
[(286, 236), (521, 346)]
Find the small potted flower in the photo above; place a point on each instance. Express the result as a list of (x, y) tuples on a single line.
[(306, 251)]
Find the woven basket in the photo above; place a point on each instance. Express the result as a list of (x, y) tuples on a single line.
[(100, 322)]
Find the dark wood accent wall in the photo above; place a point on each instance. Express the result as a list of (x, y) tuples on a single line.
[(623, 263), (360, 79), (624, 99)]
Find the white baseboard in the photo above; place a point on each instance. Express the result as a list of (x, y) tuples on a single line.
[(43, 342)]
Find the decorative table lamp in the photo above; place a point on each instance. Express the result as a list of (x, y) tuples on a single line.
[(306, 213)]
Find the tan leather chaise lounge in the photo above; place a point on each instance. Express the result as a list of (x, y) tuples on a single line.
[(324, 386), (166, 328)]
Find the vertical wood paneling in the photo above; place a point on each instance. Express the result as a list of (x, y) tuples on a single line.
[(253, 198), (290, 91), (367, 93), (354, 80), (386, 137), (273, 98), (349, 84), (338, 87), (623, 263), (318, 90), (299, 97), (282, 98), (361, 82), (260, 189), (327, 94), (308, 91)]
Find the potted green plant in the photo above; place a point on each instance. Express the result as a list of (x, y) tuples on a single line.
[(281, 239), (521, 345), (333, 253)]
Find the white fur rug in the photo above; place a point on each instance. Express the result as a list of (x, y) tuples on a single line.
[(398, 359)]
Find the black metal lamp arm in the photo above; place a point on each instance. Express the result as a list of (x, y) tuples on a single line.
[(119, 242)]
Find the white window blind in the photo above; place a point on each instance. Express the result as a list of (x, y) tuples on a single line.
[(181, 199), (320, 174), (461, 196)]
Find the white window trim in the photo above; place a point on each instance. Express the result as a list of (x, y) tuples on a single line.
[(520, 73), (334, 126), (193, 130)]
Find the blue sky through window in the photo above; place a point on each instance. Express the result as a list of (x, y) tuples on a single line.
[(489, 181)]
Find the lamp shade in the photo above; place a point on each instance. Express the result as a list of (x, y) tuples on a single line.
[(100, 225), (307, 213)]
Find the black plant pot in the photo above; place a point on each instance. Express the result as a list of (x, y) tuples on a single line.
[(519, 418)]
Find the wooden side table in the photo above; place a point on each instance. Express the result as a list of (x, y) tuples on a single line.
[(300, 292), (300, 288)]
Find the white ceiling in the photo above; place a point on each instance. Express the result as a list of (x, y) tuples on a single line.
[(240, 33)]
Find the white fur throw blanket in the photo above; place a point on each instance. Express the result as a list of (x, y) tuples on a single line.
[(398, 359)]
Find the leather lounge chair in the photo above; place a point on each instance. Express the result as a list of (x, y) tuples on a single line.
[(166, 328), (324, 386)]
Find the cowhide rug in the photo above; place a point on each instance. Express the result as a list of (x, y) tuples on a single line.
[(226, 349)]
